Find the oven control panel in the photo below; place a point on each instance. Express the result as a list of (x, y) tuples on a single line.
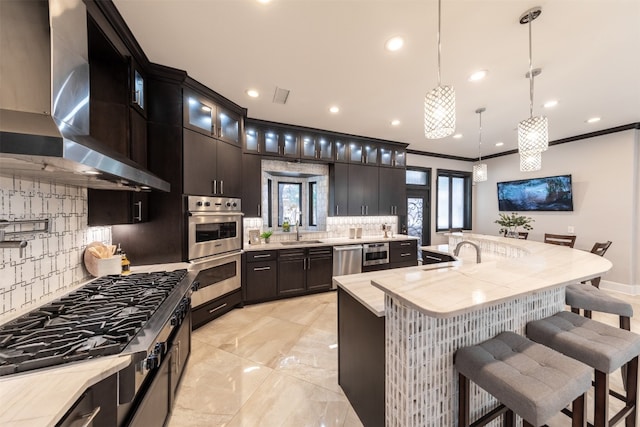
[(213, 204)]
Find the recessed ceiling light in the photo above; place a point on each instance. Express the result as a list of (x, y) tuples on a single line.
[(550, 104), (253, 93), (264, 1), (593, 120), (395, 122), (457, 136), (499, 144), (334, 109), (394, 44), (478, 75)]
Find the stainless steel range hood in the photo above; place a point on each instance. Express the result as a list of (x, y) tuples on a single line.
[(44, 101)]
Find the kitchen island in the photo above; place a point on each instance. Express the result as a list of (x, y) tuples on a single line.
[(431, 311)]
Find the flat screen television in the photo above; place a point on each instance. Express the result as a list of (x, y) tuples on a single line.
[(553, 193)]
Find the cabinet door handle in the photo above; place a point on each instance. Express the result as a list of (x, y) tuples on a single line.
[(214, 187), (262, 256), (217, 308), (405, 244), (261, 268), (259, 210), (337, 210), (366, 210), (407, 254), (136, 97), (138, 217), (221, 186)]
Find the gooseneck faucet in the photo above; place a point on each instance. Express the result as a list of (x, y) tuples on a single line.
[(456, 251)]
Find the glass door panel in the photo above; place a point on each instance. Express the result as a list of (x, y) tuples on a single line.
[(228, 127), (271, 142), (341, 151), (386, 157), (325, 148), (252, 140), (291, 147)]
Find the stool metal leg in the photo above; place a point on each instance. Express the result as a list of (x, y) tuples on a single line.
[(601, 392), (632, 391), (463, 400)]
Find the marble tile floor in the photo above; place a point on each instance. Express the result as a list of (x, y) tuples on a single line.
[(275, 364)]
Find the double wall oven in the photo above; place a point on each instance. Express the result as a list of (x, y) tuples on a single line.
[(214, 247)]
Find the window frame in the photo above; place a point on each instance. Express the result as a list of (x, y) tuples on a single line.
[(467, 202), (281, 208), (312, 217)]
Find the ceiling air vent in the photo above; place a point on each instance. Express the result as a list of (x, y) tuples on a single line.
[(280, 96)]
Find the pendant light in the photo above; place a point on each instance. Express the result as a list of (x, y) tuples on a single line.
[(439, 104), (531, 161), (480, 170), (533, 133)]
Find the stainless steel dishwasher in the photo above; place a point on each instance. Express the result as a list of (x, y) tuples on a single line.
[(347, 260)]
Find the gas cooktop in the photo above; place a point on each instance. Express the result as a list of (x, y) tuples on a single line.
[(98, 319)]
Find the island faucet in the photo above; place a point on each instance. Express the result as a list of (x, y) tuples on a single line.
[(456, 251)]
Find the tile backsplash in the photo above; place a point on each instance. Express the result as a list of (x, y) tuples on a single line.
[(52, 262)]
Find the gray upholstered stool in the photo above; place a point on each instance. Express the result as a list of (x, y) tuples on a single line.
[(529, 379), (589, 298), (604, 348)]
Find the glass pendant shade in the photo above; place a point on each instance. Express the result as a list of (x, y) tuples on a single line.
[(440, 112), (531, 161), (480, 172), (533, 135)]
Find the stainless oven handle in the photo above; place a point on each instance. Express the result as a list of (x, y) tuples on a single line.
[(217, 308), (88, 418)]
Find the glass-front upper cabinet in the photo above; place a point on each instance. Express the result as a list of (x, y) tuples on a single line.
[(271, 142), (204, 116), (290, 145), (366, 153), (228, 126), (252, 142), (316, 147), (137, 87), (400, 158), (392, 156), (386, 156), (341, 151)]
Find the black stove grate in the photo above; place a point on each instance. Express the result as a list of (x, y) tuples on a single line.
[(99, 319)]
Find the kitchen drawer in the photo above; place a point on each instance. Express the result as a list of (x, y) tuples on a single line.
[(296, 253), (403, 251), (215, 308), (261, 256)]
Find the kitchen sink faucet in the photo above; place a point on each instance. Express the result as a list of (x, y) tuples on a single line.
[(456, 251)]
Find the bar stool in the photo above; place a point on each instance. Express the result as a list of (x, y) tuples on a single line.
[(528, 379), (589, 298), (604, 348), (599, 249)]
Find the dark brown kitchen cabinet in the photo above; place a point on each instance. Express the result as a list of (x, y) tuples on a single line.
[(363, 190), (204, 116), (292, 265), (211, 167), (179, 354), (363, 152), (302, 270), (316, 147), (111, 207), (137, 88), (393, 191), (252, 185), (339, 189), (319, 268), (97, 405), (341, 150), (403, 253), (429, 257), (261, 276)]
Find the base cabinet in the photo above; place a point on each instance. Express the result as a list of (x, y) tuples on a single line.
[(96, 407), (361, 353), (403, 254), (260, 278), (429, 257)]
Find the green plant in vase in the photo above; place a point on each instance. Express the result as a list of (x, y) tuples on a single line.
[(266, 235), (509, 224)]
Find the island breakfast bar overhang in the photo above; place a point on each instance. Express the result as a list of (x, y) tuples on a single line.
[(431, 312)]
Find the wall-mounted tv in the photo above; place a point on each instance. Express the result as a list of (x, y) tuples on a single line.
[(552, 193)]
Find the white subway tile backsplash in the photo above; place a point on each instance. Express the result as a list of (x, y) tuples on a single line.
[(52, 262)]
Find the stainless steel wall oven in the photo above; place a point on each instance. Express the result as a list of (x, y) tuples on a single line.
[(214, 226)]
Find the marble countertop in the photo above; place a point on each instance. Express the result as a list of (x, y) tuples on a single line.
[(334, 241), (449, 289), (42, 397)]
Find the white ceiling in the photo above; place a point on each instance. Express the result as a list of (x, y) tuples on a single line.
[(331, 52)]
